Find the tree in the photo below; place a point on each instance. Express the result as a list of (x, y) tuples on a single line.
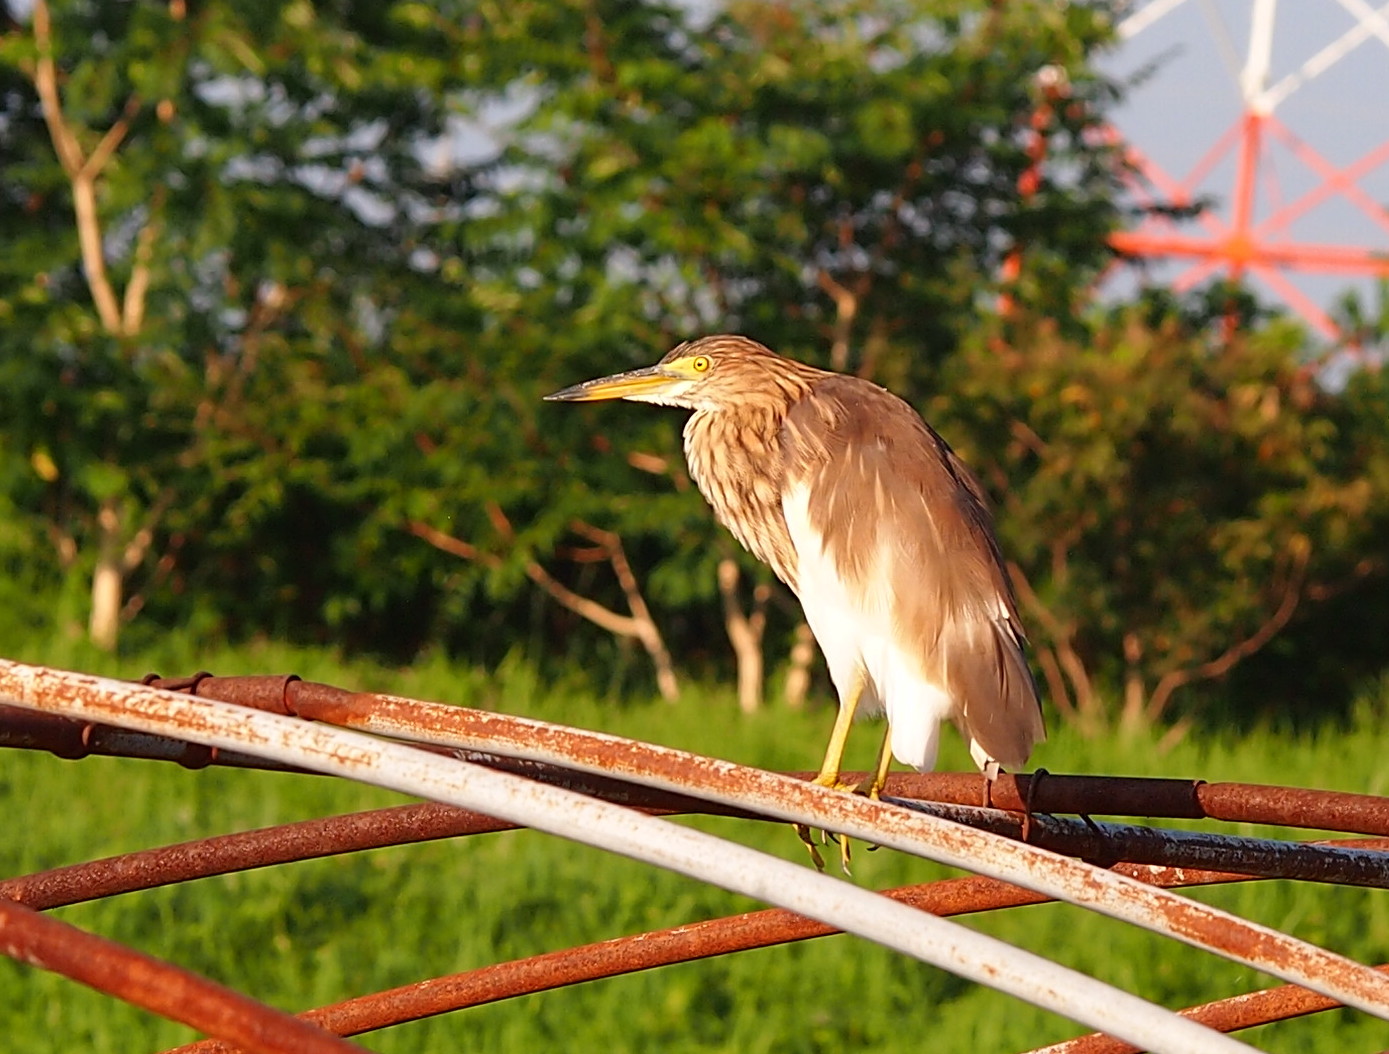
[(200, 191)]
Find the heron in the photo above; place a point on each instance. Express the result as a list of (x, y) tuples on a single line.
[(877, 526)]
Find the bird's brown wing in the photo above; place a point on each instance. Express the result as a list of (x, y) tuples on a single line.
[(888, 495)]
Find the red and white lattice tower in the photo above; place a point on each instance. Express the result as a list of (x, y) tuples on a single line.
[(1279, 115)]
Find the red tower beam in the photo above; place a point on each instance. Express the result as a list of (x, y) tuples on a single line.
[(1336, 180), (1235, 251), (1244, 245)]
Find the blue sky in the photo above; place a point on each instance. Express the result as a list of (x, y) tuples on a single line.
[(1201, 49)]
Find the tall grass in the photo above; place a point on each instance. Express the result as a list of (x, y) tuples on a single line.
[(315, 932)]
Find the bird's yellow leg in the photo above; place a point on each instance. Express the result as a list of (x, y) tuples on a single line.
[(829, 775), (874, 787), (839, 739)]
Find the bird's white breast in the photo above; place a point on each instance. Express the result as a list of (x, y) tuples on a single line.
[(858, 633)]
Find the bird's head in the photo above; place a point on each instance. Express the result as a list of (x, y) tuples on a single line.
[(711, 373)]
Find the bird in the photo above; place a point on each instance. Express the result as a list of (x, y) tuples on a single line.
[(880, 530)]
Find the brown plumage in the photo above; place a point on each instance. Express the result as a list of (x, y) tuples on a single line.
[(882, 532)]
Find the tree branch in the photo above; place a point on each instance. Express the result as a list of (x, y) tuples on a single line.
[(64, 544), (646, 630), (639, 625), (618, 625), (1236, 653), (848, 301), (845, 308), (1062, 636), (138, 547), (1056, 683), (451, 545), (46, 83), (82, 171), (136, 290), (595, 44), (111, 141)]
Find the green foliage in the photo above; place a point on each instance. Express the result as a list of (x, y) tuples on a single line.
[(349, 315), (319, 931), (257, 218), (348, 247)]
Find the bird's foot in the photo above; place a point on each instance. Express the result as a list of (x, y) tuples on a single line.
[(835, 782), (807, 837), (807, 834), (871, 788)]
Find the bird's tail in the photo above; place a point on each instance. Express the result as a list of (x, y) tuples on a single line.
[(997, 706)]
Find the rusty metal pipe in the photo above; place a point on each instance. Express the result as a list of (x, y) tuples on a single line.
[(72, 739), (1349, 861), (759, 929), (1216, 808), (1366, 863), (673, 770), (728, 784), (224, 854), (162, 987), (620, 830), (678, 944), (1076, 795)]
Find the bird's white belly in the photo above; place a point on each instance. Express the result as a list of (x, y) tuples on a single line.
[(856, 631)]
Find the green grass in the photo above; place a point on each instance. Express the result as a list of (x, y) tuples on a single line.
[(311, 933)]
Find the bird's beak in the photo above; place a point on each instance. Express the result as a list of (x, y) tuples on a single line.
[(632, 384)]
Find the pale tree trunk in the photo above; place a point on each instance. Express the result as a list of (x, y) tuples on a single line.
[(798, 675), (119, 316), (104, 621), (118, 558), (745, 632), (1135, 691)]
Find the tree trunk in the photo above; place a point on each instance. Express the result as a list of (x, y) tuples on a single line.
[(104, 621), (85, 171), (745, 632), (1135, 692), (798, 677)]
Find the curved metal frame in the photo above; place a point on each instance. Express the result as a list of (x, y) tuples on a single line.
[(1167, 858)]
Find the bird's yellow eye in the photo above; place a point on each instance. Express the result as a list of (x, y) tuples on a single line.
[(700, 364)]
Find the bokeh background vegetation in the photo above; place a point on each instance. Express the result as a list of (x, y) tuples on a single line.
[(283, 284)]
